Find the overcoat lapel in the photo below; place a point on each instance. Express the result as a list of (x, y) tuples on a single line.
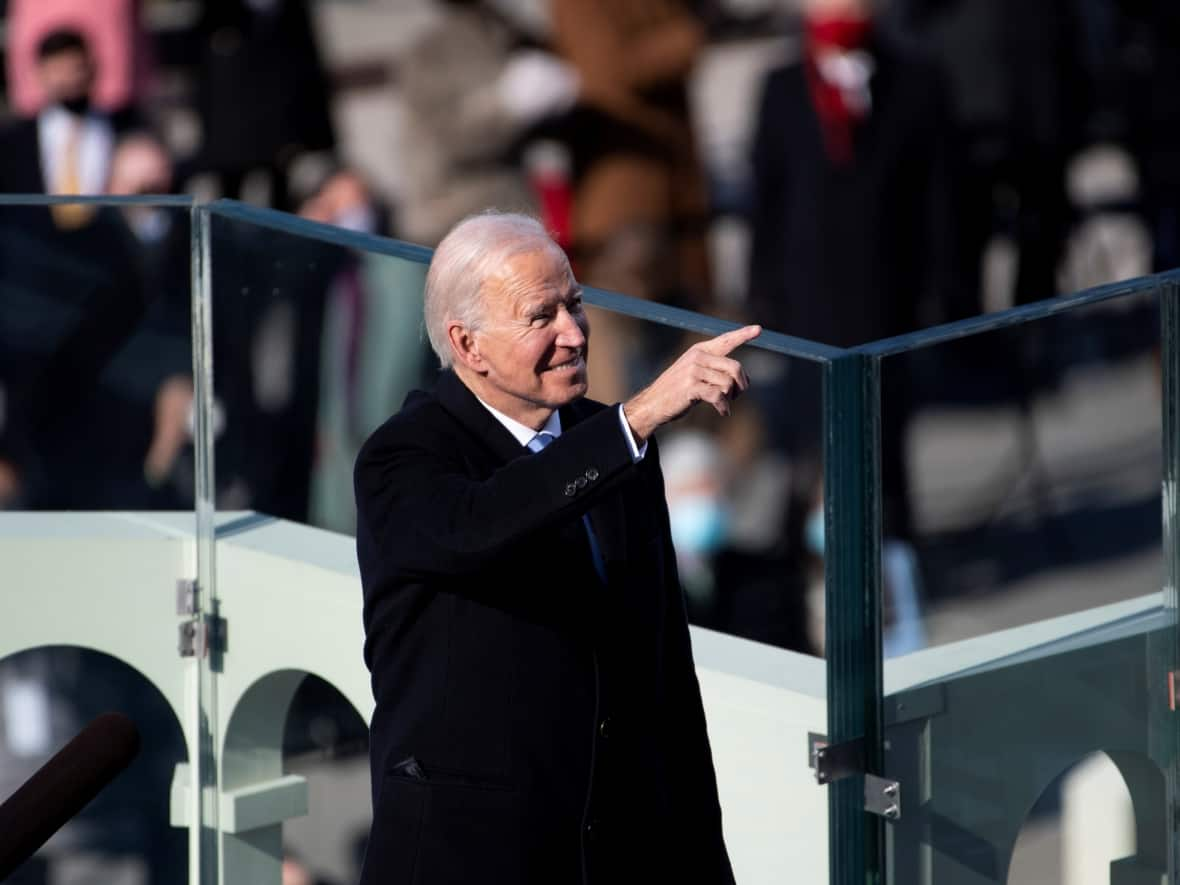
[(484, 429), (607, 518)]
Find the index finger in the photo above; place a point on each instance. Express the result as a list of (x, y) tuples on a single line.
[(728, 341)]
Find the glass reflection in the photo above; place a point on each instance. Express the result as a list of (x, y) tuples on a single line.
[(94, 338)]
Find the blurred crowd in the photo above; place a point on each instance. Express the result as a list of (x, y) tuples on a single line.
[(891, 146), (896, 153)]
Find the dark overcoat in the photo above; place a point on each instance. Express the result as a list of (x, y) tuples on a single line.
[(533, 723)]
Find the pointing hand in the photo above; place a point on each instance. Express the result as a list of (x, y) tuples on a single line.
[(703, 373)]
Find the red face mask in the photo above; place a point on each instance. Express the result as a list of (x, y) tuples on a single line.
[(839, 32), (837, 115)]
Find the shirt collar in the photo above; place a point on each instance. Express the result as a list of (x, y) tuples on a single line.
[(56, 115), (522, 433)]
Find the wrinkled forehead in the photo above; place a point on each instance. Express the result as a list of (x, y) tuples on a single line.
[(536, 269)]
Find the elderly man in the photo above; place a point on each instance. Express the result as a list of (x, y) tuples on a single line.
[(538, 718)]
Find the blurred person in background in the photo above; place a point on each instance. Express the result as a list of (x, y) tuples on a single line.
[(67, 147), (1153, 108), (72, 294), (851, 223), (154, 368), (105, 344), (476, 83), (296, 871), (113, 29), (750, 592), (640, 206), (262, 94), (372, 353), (1021, 95)]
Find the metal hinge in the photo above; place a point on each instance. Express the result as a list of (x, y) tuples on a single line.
[(201, 636), (202, 633), (187, 598), (833, 762)]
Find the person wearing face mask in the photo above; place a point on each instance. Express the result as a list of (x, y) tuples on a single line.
[(730, 584), (68, 146), (852, 219)]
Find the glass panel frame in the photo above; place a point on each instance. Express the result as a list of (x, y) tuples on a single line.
[(854, 581), (852, 496), (674, 318), (200, 753)]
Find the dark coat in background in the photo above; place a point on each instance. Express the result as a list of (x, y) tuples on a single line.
[(1021, 89), (1152, 103), (70, 300), (20, 173), (262, 92), (532, 725), (847, 253)]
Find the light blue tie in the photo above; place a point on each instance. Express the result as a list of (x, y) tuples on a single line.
[(540, 441)]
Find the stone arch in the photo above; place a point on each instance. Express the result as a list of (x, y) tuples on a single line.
[(164, 692), (1147, 786), (256, 794), (81, 681)]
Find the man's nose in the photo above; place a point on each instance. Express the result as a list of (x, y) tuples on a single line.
[(571, 330)]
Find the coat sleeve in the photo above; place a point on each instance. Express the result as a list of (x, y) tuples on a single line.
[(694, 780), (421, 514)]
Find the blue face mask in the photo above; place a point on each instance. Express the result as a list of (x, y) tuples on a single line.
[(699, 525), (813, 531)]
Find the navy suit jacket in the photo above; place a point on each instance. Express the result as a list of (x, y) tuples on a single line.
[(533, 724)]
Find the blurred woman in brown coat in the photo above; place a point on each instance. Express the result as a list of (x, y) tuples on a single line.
[(639, 209)]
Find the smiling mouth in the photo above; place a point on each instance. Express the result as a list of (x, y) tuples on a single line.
[(570, 365)]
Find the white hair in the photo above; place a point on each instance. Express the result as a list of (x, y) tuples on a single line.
[(471, 253)]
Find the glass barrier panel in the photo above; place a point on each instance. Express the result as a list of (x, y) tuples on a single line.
[(317, 338), (96, 521), (1025, 632), (1021, 474), (95, 358), (744, 492), (315, 344)]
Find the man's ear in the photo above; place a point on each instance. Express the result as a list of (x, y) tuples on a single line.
[(464, 347)]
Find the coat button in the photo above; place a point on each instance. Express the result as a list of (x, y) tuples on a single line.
[(570, 489), (604, 728), (592, 474), (592, 830), (580, 482)]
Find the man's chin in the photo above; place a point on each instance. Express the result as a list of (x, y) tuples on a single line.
[(571, 389)]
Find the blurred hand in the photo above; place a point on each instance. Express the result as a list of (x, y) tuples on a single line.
[(704, 373), (10, 486), (343, 200), (535, 85), (174, 402)]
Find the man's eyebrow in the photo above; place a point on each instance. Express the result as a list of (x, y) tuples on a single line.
[(532, 305)]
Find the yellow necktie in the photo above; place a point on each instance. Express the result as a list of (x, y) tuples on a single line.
[(69, 216)]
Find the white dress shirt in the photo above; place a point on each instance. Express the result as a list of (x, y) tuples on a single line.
[(525, 434), (95, 146)]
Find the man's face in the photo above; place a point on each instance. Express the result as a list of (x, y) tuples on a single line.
[(532, 341), (66, 76)]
